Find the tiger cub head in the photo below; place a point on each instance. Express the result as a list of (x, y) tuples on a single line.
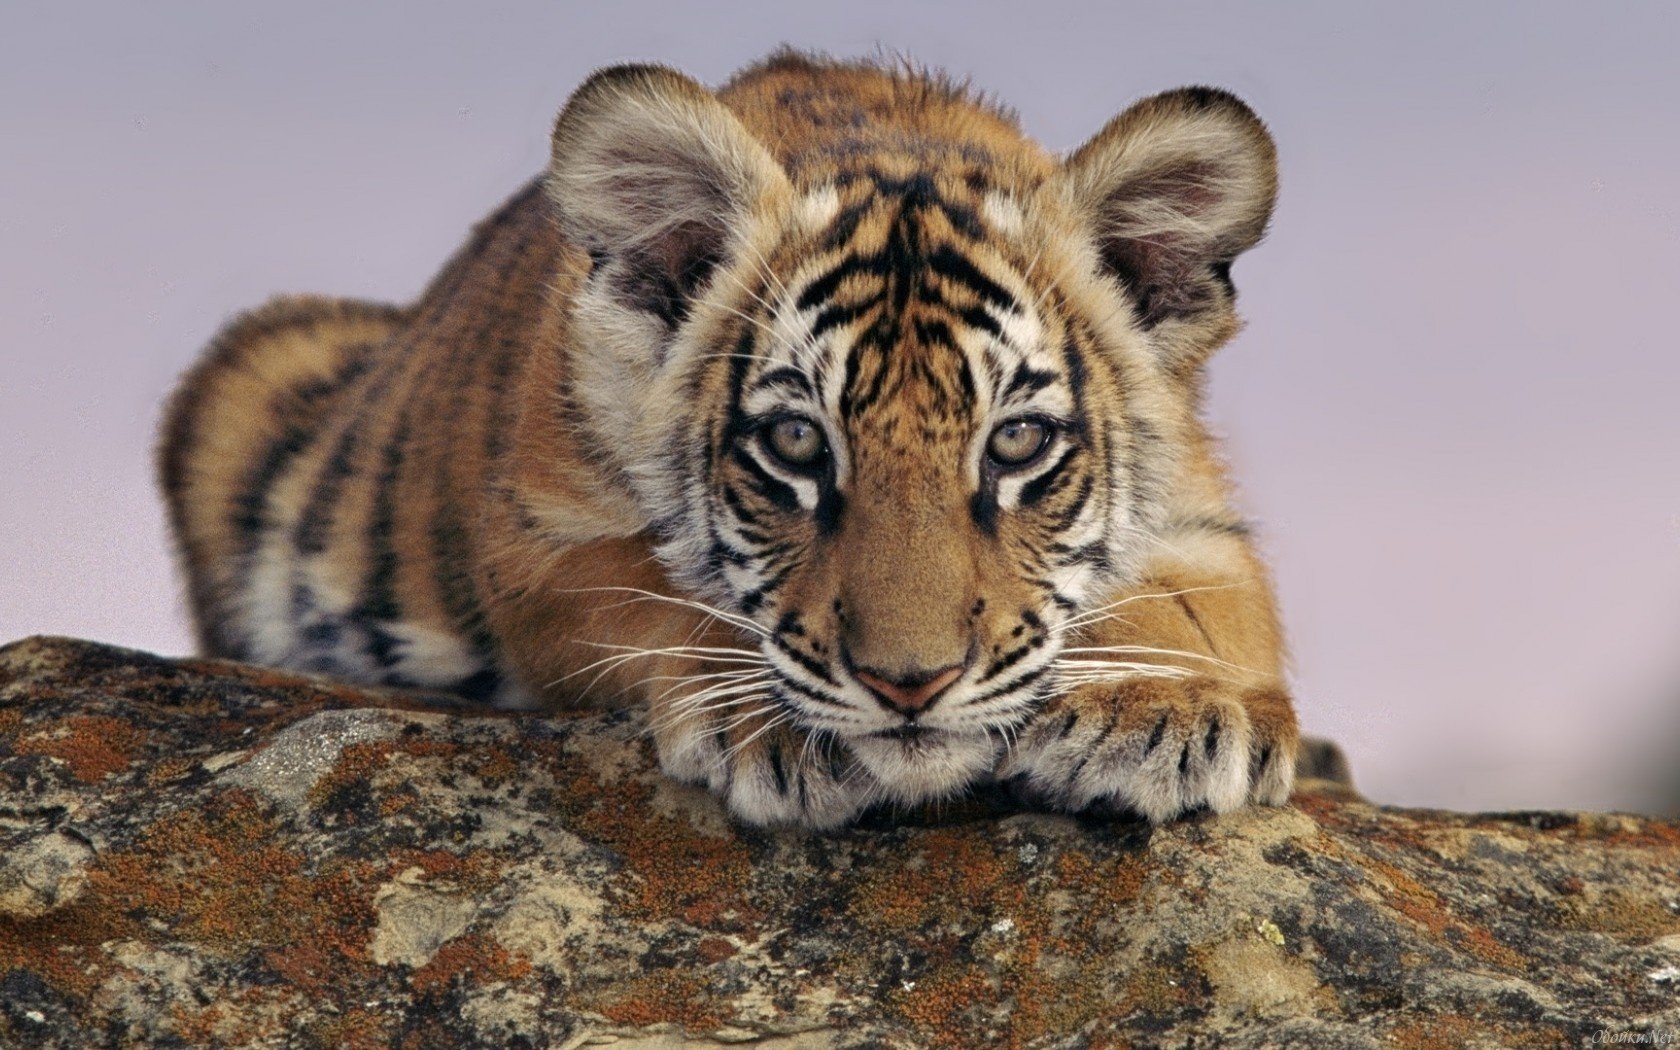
[(903, 399)]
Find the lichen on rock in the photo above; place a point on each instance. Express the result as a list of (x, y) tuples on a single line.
[(204, 853)]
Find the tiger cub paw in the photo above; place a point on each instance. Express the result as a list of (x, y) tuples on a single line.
[(771, 775), (1158, 747)]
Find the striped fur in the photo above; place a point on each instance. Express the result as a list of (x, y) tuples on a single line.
[(563, 475)]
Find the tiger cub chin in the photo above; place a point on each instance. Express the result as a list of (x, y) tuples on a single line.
[(827, 415)]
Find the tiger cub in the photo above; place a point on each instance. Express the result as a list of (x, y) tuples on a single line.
[(828, 416)]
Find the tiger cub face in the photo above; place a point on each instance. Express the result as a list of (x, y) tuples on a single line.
[(902, 412)]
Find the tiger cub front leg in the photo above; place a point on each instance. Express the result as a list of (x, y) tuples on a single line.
[(1202, 719), (721, 728), (708, 693)]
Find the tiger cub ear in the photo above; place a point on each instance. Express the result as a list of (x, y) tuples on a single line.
[(1175, 188), (652, 174)]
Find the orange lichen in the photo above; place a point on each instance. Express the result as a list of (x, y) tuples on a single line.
[(356, 1029), (215, 875), (1424, 908), (359, 763), (1116, 881), (170, 770), (1321, 808), (473, 871), (493, 765), (196, 1027), (1112, 885), (1617, 911), (958, 878), (952, 875), (1639, 833), (665, 997), (308, 967), (676, 872), (944, 1009), (62, 947), (93, 746), (1153, 990), (473, 955), (1432, 1032)]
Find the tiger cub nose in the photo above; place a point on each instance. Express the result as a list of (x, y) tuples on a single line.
[(909, 694)]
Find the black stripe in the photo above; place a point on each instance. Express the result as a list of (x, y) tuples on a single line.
[(823, 287), (1010, 659), (480, 686), (839, 314), (723, 552), (904, 259), (981, 318), (1006, 687), (920, 191), (1094, 554), (753, 600), (309, 536), (948, 263), (739, 424), (787, 375), (1155, 735), (853, 403), (720, 739), (1028, 380), (812, 667), (778, 492), (1073, 355), (378, 603), (299, 414), (984, 507), (458, 594), (1223, 526), (933, 331), (1043, 484), (1067, 515), (743, 514), (809, 693), (846, 223), (831, 503), (500, 420)]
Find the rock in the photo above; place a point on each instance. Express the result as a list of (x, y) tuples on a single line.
[(204, 853)]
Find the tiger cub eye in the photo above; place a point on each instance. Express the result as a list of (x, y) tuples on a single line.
[(1017, 442), (796, 441)]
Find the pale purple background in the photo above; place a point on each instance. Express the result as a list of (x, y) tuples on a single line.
[(1453, 412)]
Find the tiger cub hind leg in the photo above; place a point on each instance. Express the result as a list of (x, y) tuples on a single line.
[(238, 425)]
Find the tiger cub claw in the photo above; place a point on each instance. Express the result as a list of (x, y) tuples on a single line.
[(1157, 747), (771, 777)]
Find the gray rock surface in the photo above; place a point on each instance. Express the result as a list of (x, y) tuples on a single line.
[(206, 854)]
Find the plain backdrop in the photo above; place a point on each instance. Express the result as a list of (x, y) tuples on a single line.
[(1453, 413)]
